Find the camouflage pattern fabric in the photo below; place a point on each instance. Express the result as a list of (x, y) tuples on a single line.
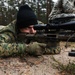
[(9, 46), (63, 8), (8, 49)]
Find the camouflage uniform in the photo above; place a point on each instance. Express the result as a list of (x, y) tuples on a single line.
[(9, 46), (63, 8)]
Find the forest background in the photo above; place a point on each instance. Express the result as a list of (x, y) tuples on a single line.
[(9, 8)]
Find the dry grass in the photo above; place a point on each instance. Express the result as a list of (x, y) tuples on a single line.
[(68, 69)]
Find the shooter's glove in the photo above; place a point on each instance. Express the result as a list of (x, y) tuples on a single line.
[(52, 50), (36, 48)]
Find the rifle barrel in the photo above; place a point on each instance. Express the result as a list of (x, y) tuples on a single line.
[(65, 26)]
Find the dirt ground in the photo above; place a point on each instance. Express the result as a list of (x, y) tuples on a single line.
[(35, 66)]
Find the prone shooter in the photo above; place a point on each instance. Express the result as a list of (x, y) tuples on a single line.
[(52, 34)]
